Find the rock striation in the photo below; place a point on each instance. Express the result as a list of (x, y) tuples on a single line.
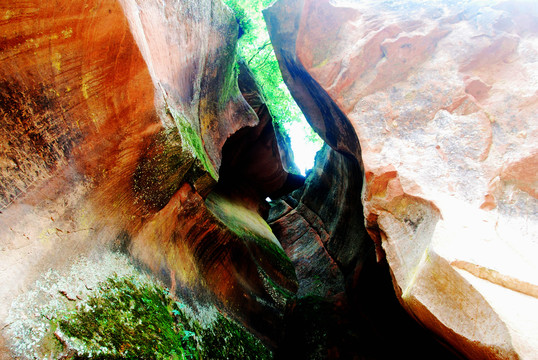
[(128, 126), (437, 102), (345, 306), (315, 228), (115, 116)]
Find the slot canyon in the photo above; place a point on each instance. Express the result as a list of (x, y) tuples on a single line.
[(146, 189)]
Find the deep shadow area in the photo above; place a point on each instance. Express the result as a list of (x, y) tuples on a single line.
[(255, 161), (366, 323), (346, 306)]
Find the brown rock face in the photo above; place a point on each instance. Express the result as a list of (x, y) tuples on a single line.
[(442, 99), (345, 307), (114, 119), (252, 166), (320, 225)]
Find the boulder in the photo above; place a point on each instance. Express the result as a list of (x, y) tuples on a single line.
[(437, 102)]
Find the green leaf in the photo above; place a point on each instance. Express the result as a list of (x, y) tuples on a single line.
[(255, 47)]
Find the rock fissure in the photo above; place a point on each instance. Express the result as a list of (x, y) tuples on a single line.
[(418, 167), (134, 144), (495, 277)]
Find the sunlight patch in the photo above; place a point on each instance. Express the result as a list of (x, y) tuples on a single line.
[(303, 146)]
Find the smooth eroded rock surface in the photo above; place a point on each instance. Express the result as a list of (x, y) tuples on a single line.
[(320, 225), (114, 118), (442, 98)]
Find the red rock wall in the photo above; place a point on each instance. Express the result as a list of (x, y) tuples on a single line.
[(316, 228), (114, 115), (72, 121), (442, 99)]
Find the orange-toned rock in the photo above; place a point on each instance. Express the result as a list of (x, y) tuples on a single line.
[(114, 116), (442, 103)]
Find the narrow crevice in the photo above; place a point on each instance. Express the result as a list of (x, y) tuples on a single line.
[(354, 322), (252, 165)]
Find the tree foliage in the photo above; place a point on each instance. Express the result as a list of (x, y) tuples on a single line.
[(255, 47)]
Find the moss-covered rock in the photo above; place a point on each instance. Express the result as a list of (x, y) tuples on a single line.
[(107, 309), (274, 266), (128, 319)]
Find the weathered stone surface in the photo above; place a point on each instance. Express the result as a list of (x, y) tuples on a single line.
[(314, 102), (321, 226), (442, 98), (114, 118)]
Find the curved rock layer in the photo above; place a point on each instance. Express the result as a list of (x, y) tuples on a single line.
[(320, 226), (255, 159), (346, 307), (442, 99), (114, 118)]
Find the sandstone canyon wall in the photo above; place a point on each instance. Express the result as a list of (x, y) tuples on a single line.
[(128, 127), (438, 103), (114, 118)]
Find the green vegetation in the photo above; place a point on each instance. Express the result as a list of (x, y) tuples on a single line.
[(105, 308), (127, 319), (256, 49), (192, 140)]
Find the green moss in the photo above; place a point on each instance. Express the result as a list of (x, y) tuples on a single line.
[(161, 171), (50, 344), (124, 319), (227, 340), (247, 225), (274, 254), (238, 218), (250, 227), (191, 138), (230, 90)]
